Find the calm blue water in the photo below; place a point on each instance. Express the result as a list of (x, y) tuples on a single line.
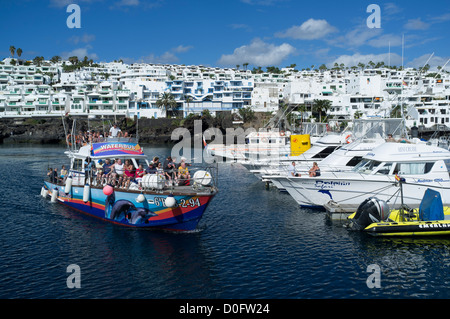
[(252, 243)]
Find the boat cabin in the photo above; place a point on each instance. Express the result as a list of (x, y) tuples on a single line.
[(267, 138), (405, 159), (111, 149)]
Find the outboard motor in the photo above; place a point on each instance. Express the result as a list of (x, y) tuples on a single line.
[(372, 210)]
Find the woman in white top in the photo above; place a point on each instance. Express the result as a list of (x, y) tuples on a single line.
[(117, 171)]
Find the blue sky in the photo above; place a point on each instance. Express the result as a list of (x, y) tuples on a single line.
[(229, 33)]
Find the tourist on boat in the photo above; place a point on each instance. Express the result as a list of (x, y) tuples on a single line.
[(159, 169), (89, 170), (139, 174), (169, 168), (115, 131), (63, 173), (105, 175), (403, 140), (183, 174), (151, 169), (390, 139), (293, 170), (129, 174), (50, 175), (99, 167), (155, 161), (79, 139), (314, 171), (117, 173), (53, 175)]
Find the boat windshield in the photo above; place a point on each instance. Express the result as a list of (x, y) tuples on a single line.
[(366, 166)]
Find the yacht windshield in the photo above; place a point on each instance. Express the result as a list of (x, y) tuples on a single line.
[(366, 166)]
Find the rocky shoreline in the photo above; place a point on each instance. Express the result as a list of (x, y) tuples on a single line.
[(151, 131)]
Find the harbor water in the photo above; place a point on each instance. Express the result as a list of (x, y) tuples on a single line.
[(252, 243)]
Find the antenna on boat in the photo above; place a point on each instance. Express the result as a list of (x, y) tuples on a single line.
[(442, 68), (403, 50), (137, 127), (400, 181), (65, 132)]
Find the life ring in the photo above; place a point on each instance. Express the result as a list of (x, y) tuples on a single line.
[(348, 139), (68, 139), (282, 133), (264, 140)]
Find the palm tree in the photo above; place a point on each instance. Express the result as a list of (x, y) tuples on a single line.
[(245, 65), (56, 59), (167, 102), (12, 49), (302, 109), (188, 99), (38, 60), (73, 60), (321, 106), (19, 52)]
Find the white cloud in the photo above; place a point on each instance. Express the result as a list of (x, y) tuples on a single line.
[(65, 3), (85, 38), (309, 30), (258, 53), (385, 40), (353, 60), (165, 58), (391, 8), (128, 2), (80, 53), (416, 24), (168, 57), (442, 18), (125, 4), (355, 38), (434, 62), (262, 2), (240, 26), (182, 48)]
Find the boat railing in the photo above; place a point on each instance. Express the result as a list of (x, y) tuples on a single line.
[(197, 179)]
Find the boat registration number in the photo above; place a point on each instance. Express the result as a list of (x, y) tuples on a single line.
[(184, 203)]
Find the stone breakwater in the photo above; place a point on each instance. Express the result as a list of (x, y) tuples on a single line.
[(151, 131), (51, 130)]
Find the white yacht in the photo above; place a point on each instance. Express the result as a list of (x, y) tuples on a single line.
[(343, 159), (320, 150), (423, 166), (334, 152), (257, 145)]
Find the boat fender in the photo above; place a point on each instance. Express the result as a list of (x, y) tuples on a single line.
[(69, 181), (202, 177), (86, 193), (54, 195), (170, 201), (44, 192), (140, 198), (108, 190)]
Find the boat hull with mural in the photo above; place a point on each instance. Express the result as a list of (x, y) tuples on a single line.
[(152, 201)]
